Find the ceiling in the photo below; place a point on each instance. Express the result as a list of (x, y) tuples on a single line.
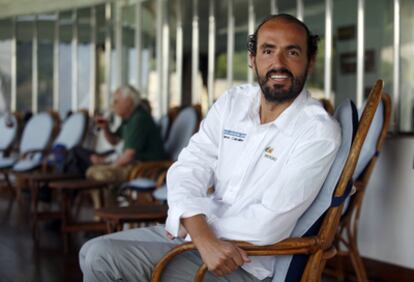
[(21, 7)]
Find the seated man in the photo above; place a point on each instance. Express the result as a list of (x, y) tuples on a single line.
[(266, 149), (141, 137)]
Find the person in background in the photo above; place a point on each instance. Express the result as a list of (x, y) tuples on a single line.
[(138, 131)]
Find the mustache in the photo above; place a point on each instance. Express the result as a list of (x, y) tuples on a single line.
[(279, 71)]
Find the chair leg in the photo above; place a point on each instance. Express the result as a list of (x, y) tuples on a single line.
[(357, 263), (340, 271), (314, 267)]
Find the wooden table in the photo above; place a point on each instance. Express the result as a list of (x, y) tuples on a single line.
[(115, 217), (65, 189), (35, 181)]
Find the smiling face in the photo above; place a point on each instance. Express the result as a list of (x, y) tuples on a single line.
[(281, 62)]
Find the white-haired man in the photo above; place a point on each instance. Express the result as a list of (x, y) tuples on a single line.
[(141, 136)]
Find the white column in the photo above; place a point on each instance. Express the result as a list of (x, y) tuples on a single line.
[(92, 63), (299, 9), (396, 70), (56, 64), (251, 24), (13, 100), (158, 51), (119, 74), (74, 61), (273, 7), (138, 43), (194, 55), (328, 49), (360, 54), (35, 73), (230, 43), (179, 50), (211, 52), (165, 63), (108, 47)]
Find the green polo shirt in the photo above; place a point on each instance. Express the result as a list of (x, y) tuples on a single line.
[(139, 132)]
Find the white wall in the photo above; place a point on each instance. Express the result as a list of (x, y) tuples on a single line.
[(386, 229)]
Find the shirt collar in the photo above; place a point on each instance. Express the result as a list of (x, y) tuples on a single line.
[(286, 121)]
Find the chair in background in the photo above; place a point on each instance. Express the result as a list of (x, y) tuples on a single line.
[(303, 256), (9, 132), (145, 176), (34, 143), (71, 134), (148, 176), (166, 121), (327, 105), (346, 237)]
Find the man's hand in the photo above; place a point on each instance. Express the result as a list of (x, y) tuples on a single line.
[(221, 257), (95, 159), (102, 123)]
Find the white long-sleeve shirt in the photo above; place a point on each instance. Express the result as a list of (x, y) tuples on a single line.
[(264, 175)]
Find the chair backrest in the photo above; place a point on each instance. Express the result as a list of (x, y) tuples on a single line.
[(9, 128), (376, 135), (366, 162), (322, 218), (73, 130), (164, 123), (37, 132), (327, 105), (181, 131)]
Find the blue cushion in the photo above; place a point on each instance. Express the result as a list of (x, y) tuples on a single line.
[(37, 133), (28, 163), (7, 162), (181, 131), (72, 130), (370, 144), (286, 268), (8, 130), (160, 194), (140, 184)]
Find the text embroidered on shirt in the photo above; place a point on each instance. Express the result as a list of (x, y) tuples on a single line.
[(268, 153), (234, 135)]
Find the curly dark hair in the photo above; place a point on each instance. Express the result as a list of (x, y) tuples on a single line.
[(312, 39)]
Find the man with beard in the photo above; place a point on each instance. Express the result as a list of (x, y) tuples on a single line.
[(266, 150)]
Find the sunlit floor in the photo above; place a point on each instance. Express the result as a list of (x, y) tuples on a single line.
[(22, 260)]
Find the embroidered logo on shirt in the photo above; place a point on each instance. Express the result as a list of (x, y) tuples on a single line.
[(268, 153), (234, 135)]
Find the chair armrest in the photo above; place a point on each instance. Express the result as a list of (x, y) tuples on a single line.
[(151, 169), (290, 246), (32, 151)]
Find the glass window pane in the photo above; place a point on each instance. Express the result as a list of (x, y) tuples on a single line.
[(220, 84), (240, 52), (24, 36), (5, 64), (102, 28), (45, 31), (379, 33), (149, 83), (174, 11), (314, 18), (344, 50), (129, 55), (84, 57), (406, 103)]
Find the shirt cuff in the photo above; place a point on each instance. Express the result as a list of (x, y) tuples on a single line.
[(172, 224)]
